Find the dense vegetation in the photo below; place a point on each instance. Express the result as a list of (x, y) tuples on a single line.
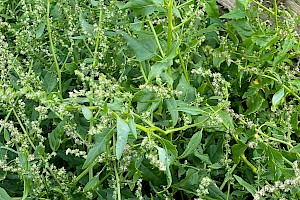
[(148, 99)]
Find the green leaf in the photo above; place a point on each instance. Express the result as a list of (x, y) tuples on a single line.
[(55, 136), (171, 105), (158, 68), (245, 3), (277, 97), (215, 152), (132, 127), (122, 135), (243, 27), (163, 65), (167, 156), (288, 45), (236, 13), (203, 157), (4, 195), (192, 145), (40, 30), (171, 149), (246, 185), (94, 3), (275, 162), (237, 151), (144, 7), (87, 113), (215, 192), (227, 119), (92, 183), (99, 147), (265, 41), (190, 110), (212, 8), (295, 149), (295, 121), (50, 82), (254, 104), (85, 25), (142, 53)]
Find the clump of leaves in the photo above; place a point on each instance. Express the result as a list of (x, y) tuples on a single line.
[(148, 99)]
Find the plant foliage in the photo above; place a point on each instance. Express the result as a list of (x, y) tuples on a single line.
[(148, 99)]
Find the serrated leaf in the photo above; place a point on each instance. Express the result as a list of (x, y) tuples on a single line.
[(49, 82), (132, 127), (55, 136), (87, 113), (277, 97), (122, 135), (40, 30), (4, 195), (246, 185), (192, 145), (99, 147)]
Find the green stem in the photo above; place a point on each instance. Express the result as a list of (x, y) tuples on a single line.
[(184, 21), (184, 68), (253, 168), (155, 36), (185, 127), (185, 3), (229, 173), (116, 172), (283, 85), (143, 72), (58, 71), (98, 37), (24, 130), (264, 7), (276, 14), (170, 25), (5, 120), (273, 139), (82, 174)]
